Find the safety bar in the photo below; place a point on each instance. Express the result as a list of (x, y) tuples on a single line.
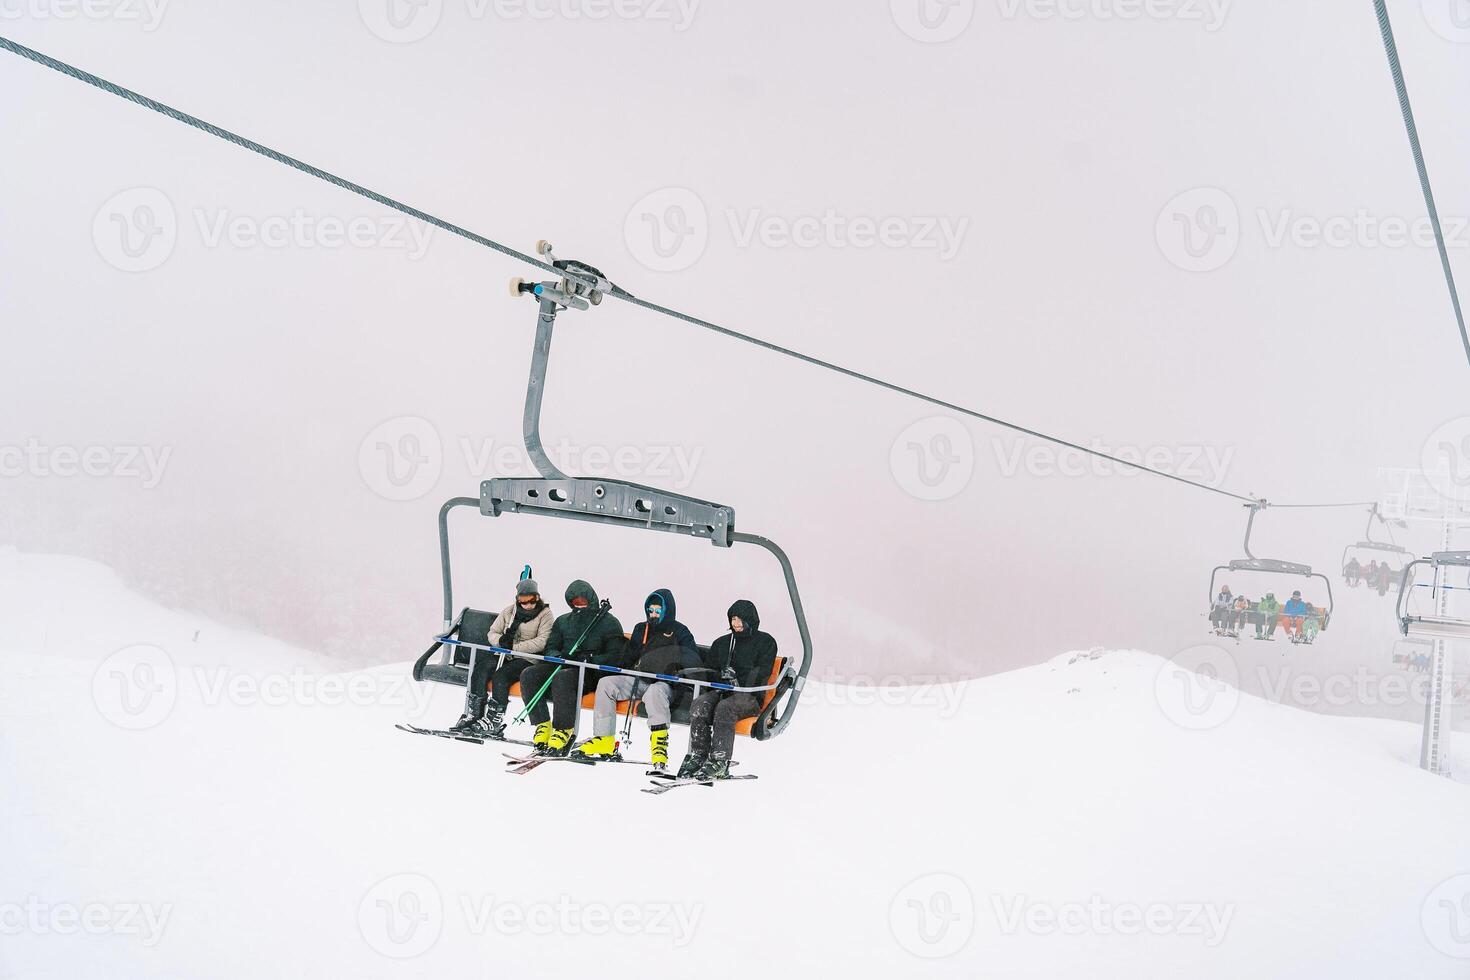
[(1434, 626), (608, 669)]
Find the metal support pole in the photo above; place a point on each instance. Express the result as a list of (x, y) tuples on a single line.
[(1436, 704), (535, 389)]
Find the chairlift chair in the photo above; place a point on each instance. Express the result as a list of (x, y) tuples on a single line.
[(601, 501), (1271, 566), (1438, 625), (1387, 552)]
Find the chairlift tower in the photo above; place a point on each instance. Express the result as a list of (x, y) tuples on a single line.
[(1413, 495)]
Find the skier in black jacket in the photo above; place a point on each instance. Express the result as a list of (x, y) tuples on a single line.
[(744, 657), (602, 642), (658, 645)]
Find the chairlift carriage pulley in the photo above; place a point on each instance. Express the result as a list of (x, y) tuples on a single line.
[(602, 501)]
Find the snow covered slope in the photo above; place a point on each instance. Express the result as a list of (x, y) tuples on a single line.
[(183, 801)]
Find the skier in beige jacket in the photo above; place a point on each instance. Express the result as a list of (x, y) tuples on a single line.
[(522, 628)]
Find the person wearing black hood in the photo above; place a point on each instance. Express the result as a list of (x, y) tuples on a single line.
[(744, 657), (659, 645), (585, 634), (522, 628)]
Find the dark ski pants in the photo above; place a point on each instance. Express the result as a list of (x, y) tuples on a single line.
[(712, 720), (564, 694), (485, 674)]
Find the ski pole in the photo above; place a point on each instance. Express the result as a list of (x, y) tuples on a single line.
[(602, 609)]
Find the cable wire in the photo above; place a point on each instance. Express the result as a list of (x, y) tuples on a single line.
[(1390, 46), (388, 202)]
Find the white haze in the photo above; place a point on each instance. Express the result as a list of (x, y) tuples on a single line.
[(1053, 143)]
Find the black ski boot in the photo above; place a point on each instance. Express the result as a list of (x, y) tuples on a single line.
[(718, 767), (693, 762), (474, 710), (494, 724)]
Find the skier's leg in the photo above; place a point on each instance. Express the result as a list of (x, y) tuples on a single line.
[(656, 702), (701, 718), (610, 690), (474, 691), (722, 739), (567, 697), (531, 680)]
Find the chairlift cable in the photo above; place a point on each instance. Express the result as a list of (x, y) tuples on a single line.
[(347, 185), (1390, 46)]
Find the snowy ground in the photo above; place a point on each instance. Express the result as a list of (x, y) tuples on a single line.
[(183, 801)]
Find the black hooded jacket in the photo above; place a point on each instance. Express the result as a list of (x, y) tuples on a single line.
[(751, 653), (602, 645), (665, 647)]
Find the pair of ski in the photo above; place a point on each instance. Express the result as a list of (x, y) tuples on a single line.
[(663, 782), (458, 736), (520, 765)]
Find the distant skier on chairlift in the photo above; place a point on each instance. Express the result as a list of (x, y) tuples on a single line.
[(1268, 612), (1222, 611), (1293, 616)]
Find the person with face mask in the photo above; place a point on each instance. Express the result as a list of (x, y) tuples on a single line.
[(658, 645), (588, 634), (743, 657), (523, 628)]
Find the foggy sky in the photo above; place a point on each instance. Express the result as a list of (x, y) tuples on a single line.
[(1045, 147)]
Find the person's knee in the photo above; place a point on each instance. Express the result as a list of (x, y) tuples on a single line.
[(728, 714)]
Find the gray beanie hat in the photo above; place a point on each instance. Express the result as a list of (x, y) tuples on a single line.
[(528, 586)]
